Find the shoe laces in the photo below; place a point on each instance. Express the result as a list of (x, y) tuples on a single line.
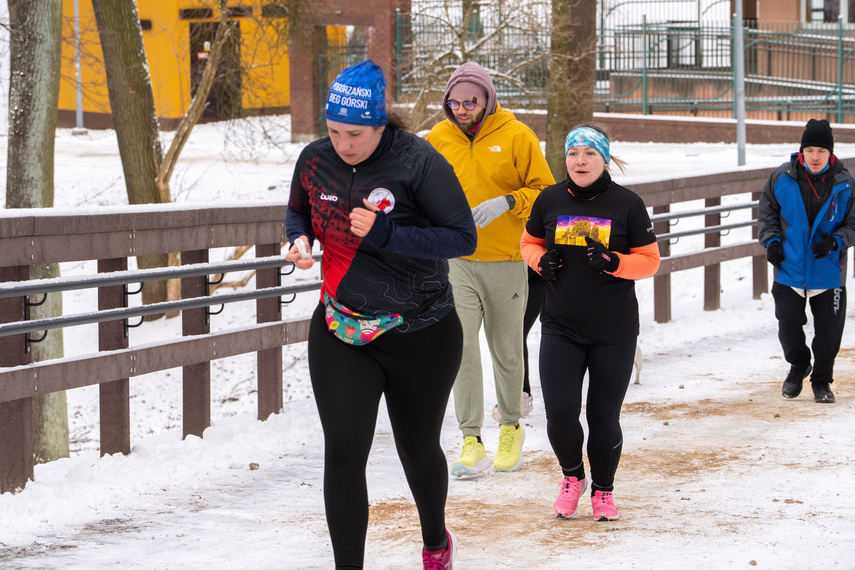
[(571, 487), (432, 560), (506, 439), (604, 498), (469, 448)]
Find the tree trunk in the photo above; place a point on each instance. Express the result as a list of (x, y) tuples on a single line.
[(35, 47), (50, 439), (572, 74), (134, 115)]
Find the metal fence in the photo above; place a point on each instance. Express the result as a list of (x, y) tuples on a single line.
[(330, 64), (662, 57)]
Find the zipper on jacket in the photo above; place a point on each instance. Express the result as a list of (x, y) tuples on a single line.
[(350, 192)]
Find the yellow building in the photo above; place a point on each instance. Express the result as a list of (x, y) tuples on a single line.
[(253, 74)]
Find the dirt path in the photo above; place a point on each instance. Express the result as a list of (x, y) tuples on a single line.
[(742, 478), (718, 471)]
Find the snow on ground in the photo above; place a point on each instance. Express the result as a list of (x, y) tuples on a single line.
[(718, 470)]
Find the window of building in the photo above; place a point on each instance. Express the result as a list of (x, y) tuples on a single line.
[(279, 10), (828, 11)]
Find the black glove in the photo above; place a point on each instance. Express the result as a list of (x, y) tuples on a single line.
[(823, 247), (600, 257), (549, 265), (775, 253)]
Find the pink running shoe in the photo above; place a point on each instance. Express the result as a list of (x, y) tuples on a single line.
[(442, 559), (568, 497), (603, 505)]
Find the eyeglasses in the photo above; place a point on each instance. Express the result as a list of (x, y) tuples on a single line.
[(468, 105)]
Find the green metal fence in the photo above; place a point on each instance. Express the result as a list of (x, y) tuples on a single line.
[(675, 62), (330, 64)]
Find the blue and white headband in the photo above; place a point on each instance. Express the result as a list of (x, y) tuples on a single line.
[(586, 136)]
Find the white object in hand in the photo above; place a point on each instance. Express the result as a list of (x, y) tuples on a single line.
[(301, 247)]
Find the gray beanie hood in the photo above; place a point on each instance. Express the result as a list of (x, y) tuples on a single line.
[(471, 72)]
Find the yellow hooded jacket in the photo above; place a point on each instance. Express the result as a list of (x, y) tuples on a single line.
[(504, 158)]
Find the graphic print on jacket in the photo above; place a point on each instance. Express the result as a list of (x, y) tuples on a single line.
[(330, 222), (572, 230), (402, 177)]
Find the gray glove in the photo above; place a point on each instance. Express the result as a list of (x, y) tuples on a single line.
[(489, 210)]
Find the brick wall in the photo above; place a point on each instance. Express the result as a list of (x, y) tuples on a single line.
[(640, 128), (378, 16)]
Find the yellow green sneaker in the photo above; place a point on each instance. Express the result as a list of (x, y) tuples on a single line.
[(509, 454), (473, 458)]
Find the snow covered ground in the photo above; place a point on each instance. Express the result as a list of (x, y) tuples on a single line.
[(718, 470)]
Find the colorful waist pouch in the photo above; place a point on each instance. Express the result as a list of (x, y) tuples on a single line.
[(358, 329), (355, 328)]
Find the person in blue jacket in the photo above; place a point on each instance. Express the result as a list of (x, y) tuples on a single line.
[(806, 223)]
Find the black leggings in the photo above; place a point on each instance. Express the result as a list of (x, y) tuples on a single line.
[(829, 316), (536, 290), (562, 368), (415, 372)]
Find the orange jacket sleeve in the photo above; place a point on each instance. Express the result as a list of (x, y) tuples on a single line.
[(532, 249), (639, 263)]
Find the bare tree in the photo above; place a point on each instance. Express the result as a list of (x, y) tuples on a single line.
[(502, 36), (132, 105), (572, 75), (35, 43), (197, 106), (147, 169)]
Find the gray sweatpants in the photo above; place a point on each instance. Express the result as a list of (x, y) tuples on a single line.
[(493, 293)]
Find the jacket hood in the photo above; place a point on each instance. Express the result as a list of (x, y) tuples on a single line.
[(473, 73)]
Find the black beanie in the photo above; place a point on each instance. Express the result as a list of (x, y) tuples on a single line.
[(818, 133)]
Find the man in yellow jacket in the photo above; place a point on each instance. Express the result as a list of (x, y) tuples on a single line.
[(502, 170)]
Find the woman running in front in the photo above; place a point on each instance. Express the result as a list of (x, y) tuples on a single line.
[(389, 212), (589, 238)]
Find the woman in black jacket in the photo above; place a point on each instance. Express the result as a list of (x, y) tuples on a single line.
[(389, 212), (590, 238)]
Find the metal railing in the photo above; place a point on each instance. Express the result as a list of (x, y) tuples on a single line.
[(111, 235), (125, 278)]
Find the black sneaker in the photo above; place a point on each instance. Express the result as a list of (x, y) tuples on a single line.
[(793, 384), (822, 393)]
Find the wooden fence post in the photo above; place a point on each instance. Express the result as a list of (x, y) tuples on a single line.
[(662, 283), (759, 264), (16, 417), (712, 273), (269, 361), (114, 396), (196, 377)]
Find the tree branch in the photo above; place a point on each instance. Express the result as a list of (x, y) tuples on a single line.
[(197, 106)]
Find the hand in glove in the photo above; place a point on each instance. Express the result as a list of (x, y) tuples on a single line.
[(823, 247), (775, 253), (489, 210), (600, 257), (549, 265)]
